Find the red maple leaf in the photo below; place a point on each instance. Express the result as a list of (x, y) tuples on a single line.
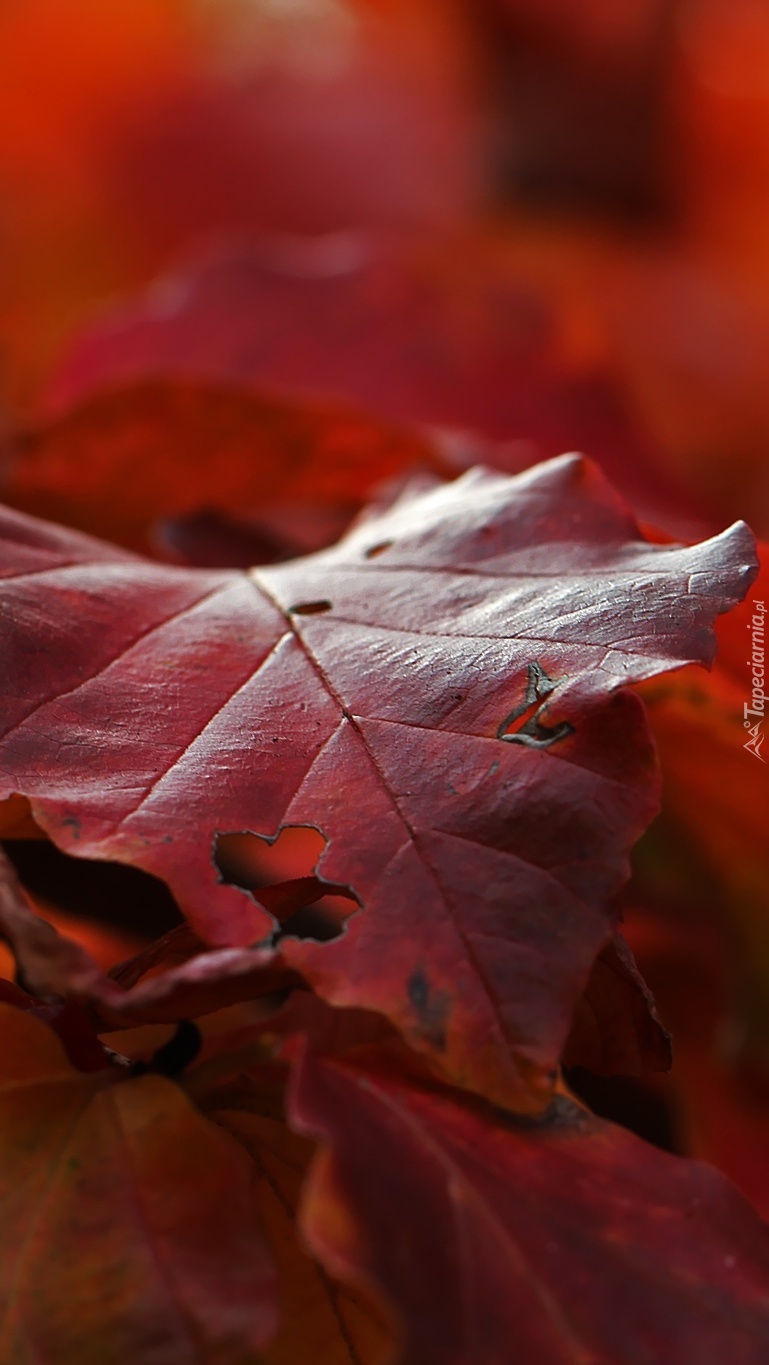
[(438, 695)]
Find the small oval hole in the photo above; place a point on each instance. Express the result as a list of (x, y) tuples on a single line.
[(310, 608), (378, 549)]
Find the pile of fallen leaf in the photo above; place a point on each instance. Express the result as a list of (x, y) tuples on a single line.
[(358, 765)]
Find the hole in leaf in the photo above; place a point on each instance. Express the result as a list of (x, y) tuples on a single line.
[(379, 549), (534, 735), (523, 724), (516, 721), (123, 897), (281, 874), (310, 608)]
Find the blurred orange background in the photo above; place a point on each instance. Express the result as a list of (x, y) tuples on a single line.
[(620, 154)]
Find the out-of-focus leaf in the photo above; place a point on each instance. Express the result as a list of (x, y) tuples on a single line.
[(129, 458), (718, 1090), (616, 1029), (559, 1240), (320, 1319), (416, 332), (128, 1229), (432, 332)]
